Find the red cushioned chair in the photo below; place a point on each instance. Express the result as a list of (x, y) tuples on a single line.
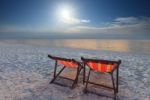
[(66, 63), (102, 66)]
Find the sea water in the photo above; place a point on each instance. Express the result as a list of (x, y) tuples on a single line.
[(134, 46)]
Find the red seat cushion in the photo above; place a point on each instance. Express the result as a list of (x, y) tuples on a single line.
[(67, 63), (100, 67)]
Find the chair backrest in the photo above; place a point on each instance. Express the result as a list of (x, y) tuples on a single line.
[(101, 65), (64, 61)]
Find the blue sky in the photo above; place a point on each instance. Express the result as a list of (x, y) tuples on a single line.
[(75, 19)]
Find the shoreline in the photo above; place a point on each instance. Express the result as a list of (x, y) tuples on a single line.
[(71, 48)]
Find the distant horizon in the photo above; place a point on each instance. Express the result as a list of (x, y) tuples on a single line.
[(52, 38), (80, 36)]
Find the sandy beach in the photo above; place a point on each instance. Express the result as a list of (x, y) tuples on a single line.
[(25, 72)]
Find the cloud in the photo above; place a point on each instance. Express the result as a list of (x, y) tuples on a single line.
[(85, 21), (74, 21), (132, 21), (126, 20), (121, 25)]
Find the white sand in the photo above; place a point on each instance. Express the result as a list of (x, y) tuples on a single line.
[(25, 72)]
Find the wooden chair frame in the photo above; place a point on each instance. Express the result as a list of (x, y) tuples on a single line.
[(116, 67), (79, 68)]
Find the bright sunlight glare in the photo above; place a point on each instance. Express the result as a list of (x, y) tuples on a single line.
[(66, 14)]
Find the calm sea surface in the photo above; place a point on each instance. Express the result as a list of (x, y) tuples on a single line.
[(136, 46)]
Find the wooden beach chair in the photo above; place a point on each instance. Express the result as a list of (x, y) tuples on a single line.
[(102, 66), (66, 63)]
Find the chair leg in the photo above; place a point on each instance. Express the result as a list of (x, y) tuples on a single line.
[(57, 75), (114, 88), (87, 81), (76, 79), (55, 68), (54, 72), (80, 68), (112, 78), (84, 73), (117, 80)]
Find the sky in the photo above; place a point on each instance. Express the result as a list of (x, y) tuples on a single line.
[(117, 19)]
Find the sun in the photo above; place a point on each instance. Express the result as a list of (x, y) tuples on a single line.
[(66, 14)]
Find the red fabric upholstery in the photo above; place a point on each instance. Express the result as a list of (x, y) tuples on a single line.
[(100, 67), (67, 63)]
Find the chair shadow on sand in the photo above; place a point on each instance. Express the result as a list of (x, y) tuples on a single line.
[(92, 89)]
